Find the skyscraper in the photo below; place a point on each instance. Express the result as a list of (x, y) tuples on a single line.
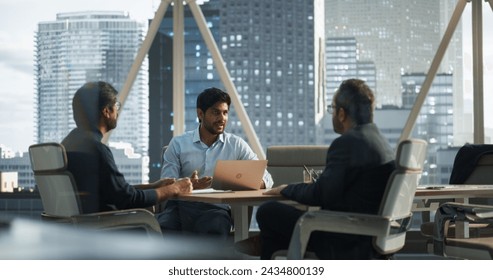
[(435, 122), (88, 46), (342, 63), (274, 51), (398, 36)]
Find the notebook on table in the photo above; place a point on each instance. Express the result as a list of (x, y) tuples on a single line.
[(238, 175)]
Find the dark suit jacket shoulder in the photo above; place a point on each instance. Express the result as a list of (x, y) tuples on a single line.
[(101, 185), (358, 165)]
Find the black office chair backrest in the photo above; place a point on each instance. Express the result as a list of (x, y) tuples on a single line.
[(473, 164), (55, 184)]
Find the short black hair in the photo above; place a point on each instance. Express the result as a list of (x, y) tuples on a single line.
[(107, 95), (357, 99), (211, 96), (90, 100)]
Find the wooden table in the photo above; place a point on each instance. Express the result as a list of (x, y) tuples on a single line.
[(239, 201), (456, 193), (462, 192)]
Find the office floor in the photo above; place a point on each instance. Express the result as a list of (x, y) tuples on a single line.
[(415, 249)]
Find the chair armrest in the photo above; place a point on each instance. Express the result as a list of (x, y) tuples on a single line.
[(131, 218), (339, 222), (452, 212)]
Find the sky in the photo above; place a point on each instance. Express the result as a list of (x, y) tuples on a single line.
[(18, 23)]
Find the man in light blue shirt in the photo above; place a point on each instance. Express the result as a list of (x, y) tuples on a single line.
[(195, 153)]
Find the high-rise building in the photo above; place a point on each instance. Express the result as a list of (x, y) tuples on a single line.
[(390, 121), (341, 62), (274, 51), (88, 46), (398, 36), (445, 161), (435, 121)]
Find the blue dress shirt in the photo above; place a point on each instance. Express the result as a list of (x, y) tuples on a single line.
[(187, 153)]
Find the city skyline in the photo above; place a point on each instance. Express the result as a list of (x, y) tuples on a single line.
[(20, 21), (77, 47)]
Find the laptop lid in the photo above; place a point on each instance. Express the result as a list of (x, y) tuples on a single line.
[(238, 175)]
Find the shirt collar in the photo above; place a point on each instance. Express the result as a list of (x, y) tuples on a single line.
[(196, 136)]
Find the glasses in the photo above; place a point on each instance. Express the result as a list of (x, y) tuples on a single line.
[(331, 108), (118, 105)]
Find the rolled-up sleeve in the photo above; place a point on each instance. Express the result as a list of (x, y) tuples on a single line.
[(171, 162)]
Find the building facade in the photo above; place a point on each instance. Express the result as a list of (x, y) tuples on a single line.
[(88, 46), (398, 36), (274, 51), (20, 164), (342, 62), (435, 122)]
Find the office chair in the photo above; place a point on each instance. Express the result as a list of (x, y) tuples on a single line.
[(287, 163), (389, 226), (473, 165), (479, 247), (60, 197)]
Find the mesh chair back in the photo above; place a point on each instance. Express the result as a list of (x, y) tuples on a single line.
[(55, 184), (399, 194)]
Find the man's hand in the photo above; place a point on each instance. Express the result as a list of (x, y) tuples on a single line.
[(275, 191), (166, 181), (202, 183), (184, 185), (157, 184), (180, 186)]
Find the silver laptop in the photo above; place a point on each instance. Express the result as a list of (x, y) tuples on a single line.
[(238, 175)]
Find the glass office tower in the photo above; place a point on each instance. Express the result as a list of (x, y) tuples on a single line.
[(435, 121), (398, 36), (342, 63), (88, 46), (274, 51)]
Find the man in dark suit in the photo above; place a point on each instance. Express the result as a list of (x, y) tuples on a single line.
[(358, 165), (91, 162)]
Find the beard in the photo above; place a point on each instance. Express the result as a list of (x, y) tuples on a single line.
[(337, 125), (213, 128), (111, 124)]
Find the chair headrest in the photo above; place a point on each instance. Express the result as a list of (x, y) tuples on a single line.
[(411, 154), (297, 155), (47, 157)]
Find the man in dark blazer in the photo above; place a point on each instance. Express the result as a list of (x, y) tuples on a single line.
[(358, 165), (95, 106)]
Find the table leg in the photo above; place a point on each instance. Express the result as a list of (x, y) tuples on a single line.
[(241, 223), (462, 227)]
